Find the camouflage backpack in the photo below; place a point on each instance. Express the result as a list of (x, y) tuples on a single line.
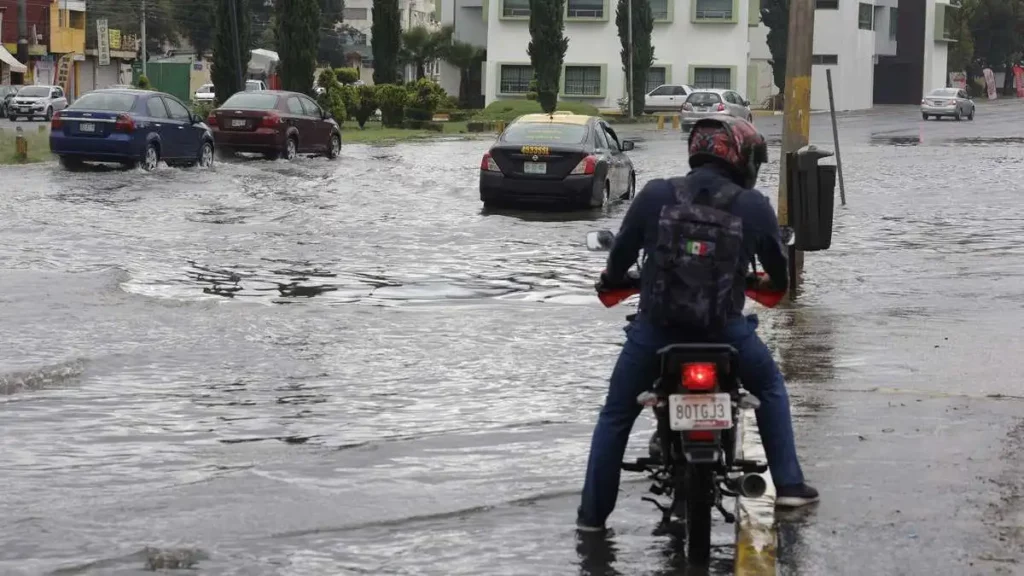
[(696, 258)]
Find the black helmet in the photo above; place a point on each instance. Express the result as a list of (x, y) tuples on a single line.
[(731, 142)]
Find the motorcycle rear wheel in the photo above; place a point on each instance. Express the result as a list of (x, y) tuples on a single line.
[(700, 496)]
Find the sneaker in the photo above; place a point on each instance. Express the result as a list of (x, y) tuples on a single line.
[(795, 496)]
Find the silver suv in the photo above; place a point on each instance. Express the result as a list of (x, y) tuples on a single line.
[(36, 102)]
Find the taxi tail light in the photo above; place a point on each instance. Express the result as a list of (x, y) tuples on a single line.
[(586, 166), (211, 120), (721, 107), (699, 376), (55, 121), (487, 164), (124, 123)]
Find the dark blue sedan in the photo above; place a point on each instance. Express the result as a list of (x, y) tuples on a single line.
[(131, 127)]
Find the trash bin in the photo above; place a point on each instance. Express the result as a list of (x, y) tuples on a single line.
[(811, 198)]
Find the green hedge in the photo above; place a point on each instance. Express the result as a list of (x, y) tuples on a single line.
[(508, 110)]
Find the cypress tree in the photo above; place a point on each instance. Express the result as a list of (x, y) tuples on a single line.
[(298, 38), (224, 72), (547, 49), (386, 41), (643, 51)]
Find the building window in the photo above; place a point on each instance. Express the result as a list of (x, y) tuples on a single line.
[(894, 19), (583, 81), (660, 9), (585, 8), (826, 5), (354, 14), (865, 17), (824, 59), (714, 9), (515, 8), (656, 76), (720, 78), (515, 79)]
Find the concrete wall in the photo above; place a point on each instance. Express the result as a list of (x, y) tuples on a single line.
[(836, 33), (679, 46), (468, 19), (935, 52)]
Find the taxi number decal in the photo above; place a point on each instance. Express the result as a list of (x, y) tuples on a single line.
[(537, 150)]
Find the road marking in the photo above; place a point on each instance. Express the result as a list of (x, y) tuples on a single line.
[(755, 517)]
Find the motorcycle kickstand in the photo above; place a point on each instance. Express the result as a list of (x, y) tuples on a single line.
[(666, 511), (729, 516)]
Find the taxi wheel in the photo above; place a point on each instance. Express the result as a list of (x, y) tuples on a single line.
[(604, 198)]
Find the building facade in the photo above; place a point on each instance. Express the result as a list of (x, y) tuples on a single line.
[(358, 15), (698, 42), (469, 21), (884, 52)]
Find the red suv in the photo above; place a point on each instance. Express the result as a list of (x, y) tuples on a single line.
[(275, 123)]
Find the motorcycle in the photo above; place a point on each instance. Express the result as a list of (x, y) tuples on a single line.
[(693, 457)]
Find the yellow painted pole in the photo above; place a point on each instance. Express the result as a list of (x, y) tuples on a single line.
[(796, 119), (675, 122), (661, 122), (21, 145)]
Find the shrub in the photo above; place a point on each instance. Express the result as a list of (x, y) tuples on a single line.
[(347, 75), (392, 100), (331, 99), (366, 105), (350, 96), (508, 110), (202, 109), (425, 96), (143, 83)]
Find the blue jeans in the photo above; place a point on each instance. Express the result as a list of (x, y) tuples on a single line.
[(635, 372)]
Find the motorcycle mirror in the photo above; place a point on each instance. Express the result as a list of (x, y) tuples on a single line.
[(788, 236), (600, 240)]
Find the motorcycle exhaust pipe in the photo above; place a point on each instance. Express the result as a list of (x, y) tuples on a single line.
[(751, 486)]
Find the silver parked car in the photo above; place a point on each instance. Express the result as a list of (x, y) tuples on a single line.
[(708, 102), (37, 102), (947, 102), (666, 98)]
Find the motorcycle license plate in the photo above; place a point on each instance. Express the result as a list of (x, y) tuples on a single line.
[(699, 412)]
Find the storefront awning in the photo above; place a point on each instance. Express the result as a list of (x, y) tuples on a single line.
[(11, 61)]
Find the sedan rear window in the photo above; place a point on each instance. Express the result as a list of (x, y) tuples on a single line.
[(703, 98), (544, 133), (251, 101), (947, 92), (107, 101)]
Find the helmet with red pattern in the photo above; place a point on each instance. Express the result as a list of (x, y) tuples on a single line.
[(731, 142)]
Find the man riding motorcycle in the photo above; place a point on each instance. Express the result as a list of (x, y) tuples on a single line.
[(724, 153)]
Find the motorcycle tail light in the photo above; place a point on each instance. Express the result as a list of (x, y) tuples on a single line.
[(700, 436), (700, 376)]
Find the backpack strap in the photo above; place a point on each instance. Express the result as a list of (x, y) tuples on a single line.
[(722, 199)]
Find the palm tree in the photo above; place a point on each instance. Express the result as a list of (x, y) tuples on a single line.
[(466, 58), (420, 45)]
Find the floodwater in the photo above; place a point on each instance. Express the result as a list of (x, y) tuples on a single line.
[(349, 368)]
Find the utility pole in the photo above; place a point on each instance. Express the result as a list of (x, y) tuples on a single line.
[(629, 24), (796, 119), (145, 52), (23, 35), (239, 66)]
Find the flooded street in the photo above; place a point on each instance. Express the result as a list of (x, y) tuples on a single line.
[(349, 368)]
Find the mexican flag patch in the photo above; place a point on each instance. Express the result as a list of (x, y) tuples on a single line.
[(698, 248)]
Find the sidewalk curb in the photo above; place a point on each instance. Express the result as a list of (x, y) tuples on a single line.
[(756, 538)]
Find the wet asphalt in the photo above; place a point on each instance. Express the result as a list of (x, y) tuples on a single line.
[(349, 368)]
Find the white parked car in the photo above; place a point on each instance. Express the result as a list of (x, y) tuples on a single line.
[(37, 102), (667, 98), (205, 93), (255, 86)]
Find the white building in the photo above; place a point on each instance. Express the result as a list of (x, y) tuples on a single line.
[(698, 42), (884, 51), (359, 15), (469, 19)]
